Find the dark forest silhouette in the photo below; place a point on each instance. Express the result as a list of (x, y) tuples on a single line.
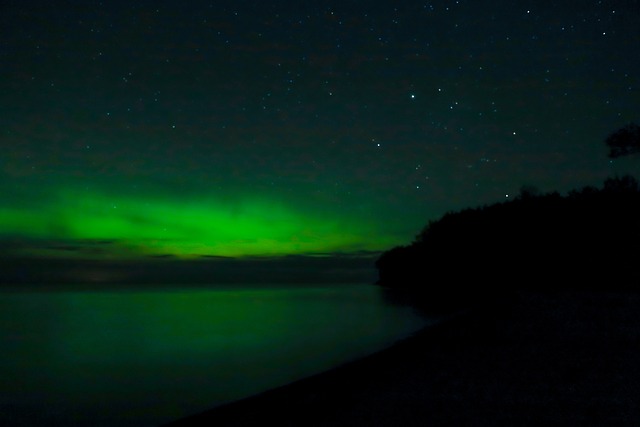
[(585, 240)]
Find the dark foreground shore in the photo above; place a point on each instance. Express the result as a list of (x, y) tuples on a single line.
[(561, 359)]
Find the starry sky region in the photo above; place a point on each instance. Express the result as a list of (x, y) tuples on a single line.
[(210, 129)]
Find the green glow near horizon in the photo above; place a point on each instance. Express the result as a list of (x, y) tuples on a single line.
[(184, 227)]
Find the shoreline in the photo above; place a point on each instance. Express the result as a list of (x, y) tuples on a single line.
[(564, 358)]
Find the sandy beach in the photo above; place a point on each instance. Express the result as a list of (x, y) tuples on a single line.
[(566, 359)]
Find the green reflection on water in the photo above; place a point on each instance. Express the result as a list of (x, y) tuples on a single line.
[(149, 357)]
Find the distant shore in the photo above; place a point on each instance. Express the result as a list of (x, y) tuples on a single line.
[(566, 358)]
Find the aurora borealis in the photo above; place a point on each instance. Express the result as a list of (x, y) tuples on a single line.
[(182, 227), (202, 129)]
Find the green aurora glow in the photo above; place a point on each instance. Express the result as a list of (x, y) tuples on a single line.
[(186, 228)]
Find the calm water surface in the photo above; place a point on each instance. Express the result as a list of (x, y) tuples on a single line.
[(143, 358)]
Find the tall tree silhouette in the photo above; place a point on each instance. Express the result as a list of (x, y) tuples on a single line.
[(624, 141)]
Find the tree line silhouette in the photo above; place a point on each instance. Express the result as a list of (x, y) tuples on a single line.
[(586, 239)]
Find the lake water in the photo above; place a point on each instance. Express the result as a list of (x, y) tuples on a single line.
[(147, 357)]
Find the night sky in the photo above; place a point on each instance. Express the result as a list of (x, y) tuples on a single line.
[(203, 129)]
